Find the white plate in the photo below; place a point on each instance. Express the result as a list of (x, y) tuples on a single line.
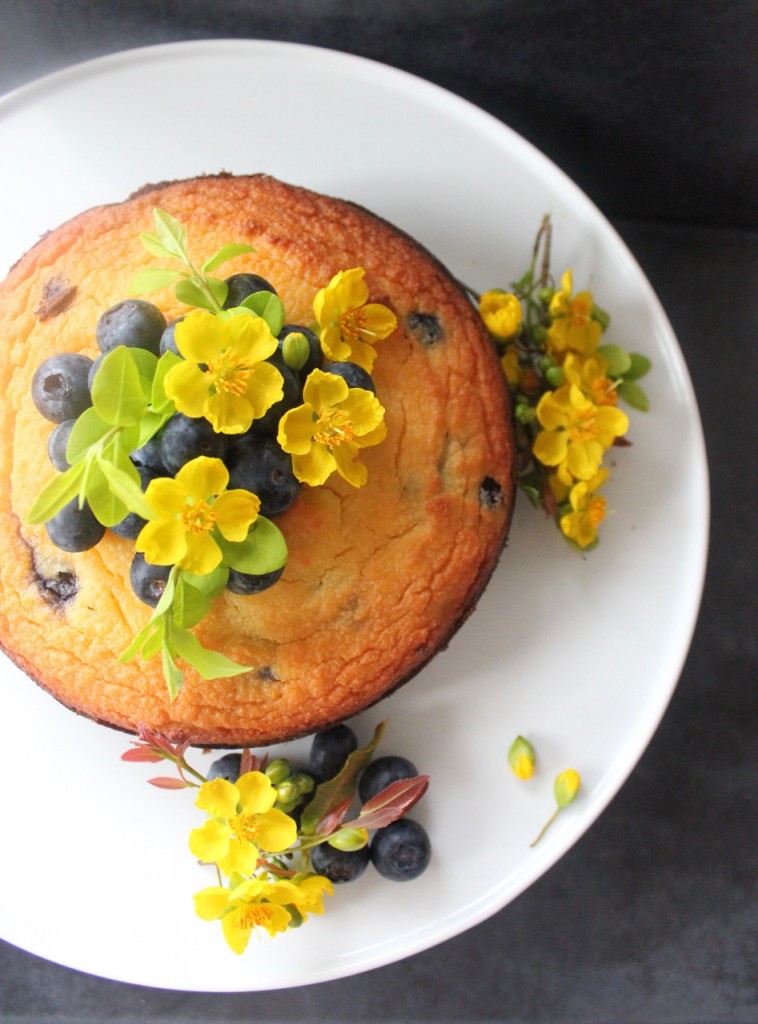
[(581, 655)]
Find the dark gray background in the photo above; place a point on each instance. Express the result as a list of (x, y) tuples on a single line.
[(651, 108)]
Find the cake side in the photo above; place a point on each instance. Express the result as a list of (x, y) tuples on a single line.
[(378, 578)]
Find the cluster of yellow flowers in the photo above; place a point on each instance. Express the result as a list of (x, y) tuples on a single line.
[(566, 387)]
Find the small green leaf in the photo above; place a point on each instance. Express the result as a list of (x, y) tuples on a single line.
[(193, 295), (208, 664), (125, 488), (224, 254), (634, 395), (155, 247), (153, 643), (86, 432), (117, 392), (211, 583), (152, 279), (640, 366), (147, 635), (170, 233), (264, 550), (62, 489), (159, 399), (106, 507), (189, 605), (146, 364), (269, 307), (619, 360), (171, 672), (219, 289)]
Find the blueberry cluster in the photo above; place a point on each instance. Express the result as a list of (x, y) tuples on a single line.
[(61, 392), (400, 851)]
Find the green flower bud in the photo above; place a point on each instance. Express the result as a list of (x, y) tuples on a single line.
[(278, 770), (295, 350), (539, 333), (286, 792), (524, 413), (303, 781), (555, 376), (566, 786), (545, 294), (546, 362), (521, 758), (601, 316), (349, 839)]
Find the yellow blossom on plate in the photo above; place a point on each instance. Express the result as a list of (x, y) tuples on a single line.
[(327, 432), (591, 375), (510, 364), (242, 820), (576, 431), (254, 903), (572, 328), (350, 324), (588, 510), (224, 376), (501, 312), (188, 509)]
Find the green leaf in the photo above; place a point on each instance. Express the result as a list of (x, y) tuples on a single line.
[(211, 583), (146, 364), (267, 306), (208, 664), (640, 366), (106, 507), (190, 605), (619, 360), (89, 428), (219, 289), (125, 487), (170, 234), (159, 399), (152, 279), (342, 786), (154, 642), (264, 550), (193, 295), (62, 489), (634, 395), (224, 254), (171, 672), (147, 635), (155, 247), (117, 392)]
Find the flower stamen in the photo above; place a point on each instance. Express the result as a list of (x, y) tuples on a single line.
[(199, 518)]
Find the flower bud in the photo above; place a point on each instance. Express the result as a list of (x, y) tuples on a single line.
[(278, 770), (545, 295), (555, 376), (286, 792), (521, 758), (349, 839), (566, 786), (303, 781), (295, 350), (524, 413), (539, 333)]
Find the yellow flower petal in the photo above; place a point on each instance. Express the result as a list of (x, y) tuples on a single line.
[(314, 466), (235, 511), (363, 409), (165, 497), (162, 542), (241, 857), (583, 458), (203, 477), (256, 794), (276, 831), (296, 430), (378, 321), (210, 841), (211, 903), (249, 337), (264, 388), (200, 336), (550, 446), (324, 390), (237, 925), (348, 468), (187, 386), (228, 413), (218, 797), (203, 554)]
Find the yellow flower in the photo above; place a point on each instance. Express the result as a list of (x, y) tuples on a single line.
[(572, 327), (326, 433), (310, 894), (521, 758), (576, 431), (350, 325), (188, 510), (501, 312), (224, 376), (590, 375), (253, 903), (242, 820), (588, 510)]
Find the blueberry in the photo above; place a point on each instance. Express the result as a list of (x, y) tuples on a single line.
[(246, 583), (259, 465), (74, 528), (330, 750), (168, 338), (56, 445), (149, 457), (268, 424), (226, 767), (355, 375), (94, 368), (401, 851), (315, 358), (242, 285), (131, 525), (59, 387), (134, 323), (148, 581), (383, 772), (339, 865), (184, 438)]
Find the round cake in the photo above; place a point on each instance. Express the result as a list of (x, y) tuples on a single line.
[(378, 577)]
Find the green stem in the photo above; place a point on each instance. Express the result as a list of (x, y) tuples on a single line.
[(546, 826)]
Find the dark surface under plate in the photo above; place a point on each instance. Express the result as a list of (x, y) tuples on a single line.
[(652, 916)]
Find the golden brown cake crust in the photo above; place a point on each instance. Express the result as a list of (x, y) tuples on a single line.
[(378, 578)]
